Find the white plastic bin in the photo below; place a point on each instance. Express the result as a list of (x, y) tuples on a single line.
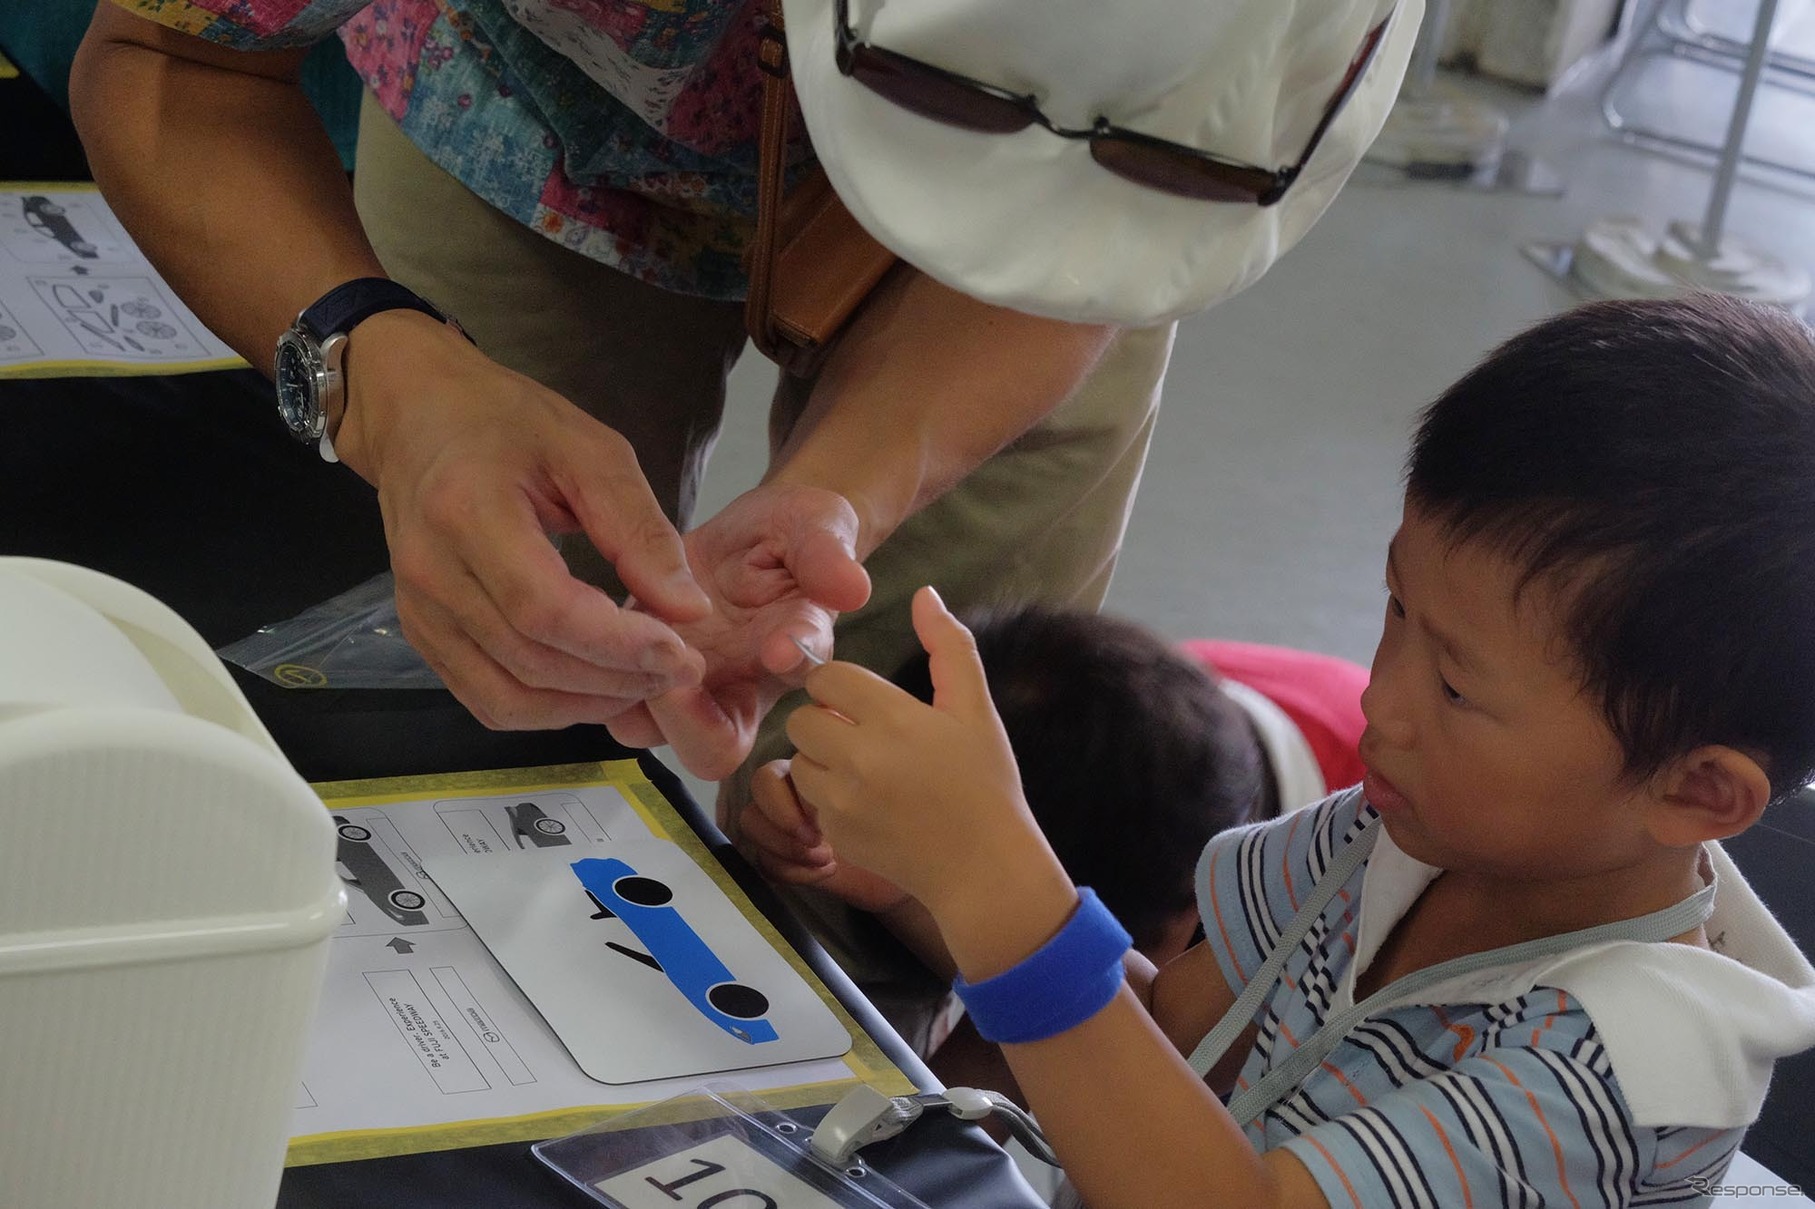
[(167, 890)]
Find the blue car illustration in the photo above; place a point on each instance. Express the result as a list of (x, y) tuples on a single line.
[(674, 947)]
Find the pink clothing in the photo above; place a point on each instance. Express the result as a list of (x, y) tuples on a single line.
[(1321, 694)]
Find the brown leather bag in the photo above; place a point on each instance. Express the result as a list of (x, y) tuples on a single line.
[(811, 264)]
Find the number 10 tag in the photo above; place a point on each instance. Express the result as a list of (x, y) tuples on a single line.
[(724, 1173), (704, 1151)]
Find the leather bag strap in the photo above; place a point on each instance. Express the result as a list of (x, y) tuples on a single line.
[(772, 160)]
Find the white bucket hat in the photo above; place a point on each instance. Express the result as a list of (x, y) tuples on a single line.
[(1028, 219)]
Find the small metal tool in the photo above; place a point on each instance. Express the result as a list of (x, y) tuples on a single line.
[(813, 659)]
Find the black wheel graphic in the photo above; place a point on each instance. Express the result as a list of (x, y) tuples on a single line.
[(407, 900), (738, 1001), (551, 826), (642, 891), (354, 832)]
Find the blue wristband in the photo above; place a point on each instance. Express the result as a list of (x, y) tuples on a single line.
[(1059, 986)]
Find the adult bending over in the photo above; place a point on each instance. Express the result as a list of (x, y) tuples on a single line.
[(574, 181)]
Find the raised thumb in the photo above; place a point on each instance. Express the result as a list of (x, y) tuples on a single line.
[(959, 685)]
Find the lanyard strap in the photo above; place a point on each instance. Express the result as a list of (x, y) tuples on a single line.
[(1283, 1079), (1334, 878)]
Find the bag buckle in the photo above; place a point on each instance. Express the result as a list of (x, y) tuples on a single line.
[(865, 1115), (772, 51)]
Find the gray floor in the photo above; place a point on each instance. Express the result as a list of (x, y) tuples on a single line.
[(1272, 487)]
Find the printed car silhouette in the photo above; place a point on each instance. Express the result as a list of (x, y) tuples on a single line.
[(677, 950), (47, 217), (529, 821), (361, 865)]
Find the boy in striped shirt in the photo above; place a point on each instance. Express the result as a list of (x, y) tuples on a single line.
[(1514, 966)]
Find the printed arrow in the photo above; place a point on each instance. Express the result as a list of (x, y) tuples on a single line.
[(647, 959), (401, 945)]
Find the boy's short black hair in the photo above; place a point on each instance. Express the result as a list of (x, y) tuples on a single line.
[(1653, 462), (1131, 757)]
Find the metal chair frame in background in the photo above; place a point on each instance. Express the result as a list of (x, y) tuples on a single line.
[(1666, 29)]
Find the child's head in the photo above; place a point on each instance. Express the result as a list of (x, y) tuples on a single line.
[(1130, 756), (1640, 476)]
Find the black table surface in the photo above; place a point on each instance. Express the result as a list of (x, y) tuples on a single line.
[(189, 488)]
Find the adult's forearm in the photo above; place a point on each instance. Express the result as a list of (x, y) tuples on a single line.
[(925, 385), (219, 167)]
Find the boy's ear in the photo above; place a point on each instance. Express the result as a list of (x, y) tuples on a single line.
[(1711, 793)]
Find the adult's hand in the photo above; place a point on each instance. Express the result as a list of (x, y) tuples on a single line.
[(216, 162), (476, 466), (779, 563)]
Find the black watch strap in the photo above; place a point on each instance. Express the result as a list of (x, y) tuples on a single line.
[(343, 307)]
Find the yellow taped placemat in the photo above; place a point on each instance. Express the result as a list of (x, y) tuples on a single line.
[(78, 298), (422, 1043)]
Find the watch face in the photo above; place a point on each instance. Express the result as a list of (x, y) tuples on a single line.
[(297, 372)]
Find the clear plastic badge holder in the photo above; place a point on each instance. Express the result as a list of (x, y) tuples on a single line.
[(352, 640), (715, 1148)]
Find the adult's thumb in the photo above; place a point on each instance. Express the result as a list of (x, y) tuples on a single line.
[(828, 571)]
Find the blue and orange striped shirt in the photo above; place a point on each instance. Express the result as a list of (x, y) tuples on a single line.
[(1510, 1102)]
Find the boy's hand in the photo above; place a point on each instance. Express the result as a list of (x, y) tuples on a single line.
[(778, 833), (926, 796)]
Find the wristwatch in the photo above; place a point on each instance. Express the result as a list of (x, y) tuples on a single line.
[(311, 389)]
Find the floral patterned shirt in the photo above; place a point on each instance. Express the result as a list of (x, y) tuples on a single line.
[(623, 129)]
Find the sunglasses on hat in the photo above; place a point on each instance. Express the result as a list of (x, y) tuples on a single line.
[(958, 100)]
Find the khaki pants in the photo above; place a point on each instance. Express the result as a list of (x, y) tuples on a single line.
[(1042, 520)]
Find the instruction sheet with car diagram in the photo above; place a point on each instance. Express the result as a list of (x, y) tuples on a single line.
[(77, 297), (526, 951)]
